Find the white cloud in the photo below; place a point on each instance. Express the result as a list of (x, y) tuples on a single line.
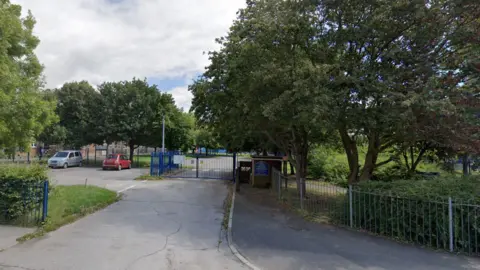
[(183, 98), (97, 40)]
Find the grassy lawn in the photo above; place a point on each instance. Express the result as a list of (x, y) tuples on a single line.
[(69, 203)]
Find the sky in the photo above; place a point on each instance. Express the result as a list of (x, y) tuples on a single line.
[(113, 40)]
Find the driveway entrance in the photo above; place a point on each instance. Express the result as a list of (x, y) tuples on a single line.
[(172, 224), (198, 166)]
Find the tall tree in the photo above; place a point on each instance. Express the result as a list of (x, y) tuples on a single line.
[(78, 109), (24, 112), (262, 83), (389, 59), (130, 110)]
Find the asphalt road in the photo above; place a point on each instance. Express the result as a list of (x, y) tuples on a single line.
[(279, 240), (171, 224), (111, 179)]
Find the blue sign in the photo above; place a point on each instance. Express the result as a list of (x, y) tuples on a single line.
[(261, 168)]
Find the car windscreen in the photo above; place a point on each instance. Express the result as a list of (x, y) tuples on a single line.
[(61, 154), (112, 156)]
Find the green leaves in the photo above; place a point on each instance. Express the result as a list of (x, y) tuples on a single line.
[(374, 71), (24, 112)]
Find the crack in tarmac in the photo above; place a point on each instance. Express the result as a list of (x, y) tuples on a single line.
[(164, 245), (16, 266)]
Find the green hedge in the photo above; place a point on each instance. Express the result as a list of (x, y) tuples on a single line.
[(329, 165), (21, 191), (417, 211)]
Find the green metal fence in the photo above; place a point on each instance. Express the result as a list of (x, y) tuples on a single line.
[(443, 223)]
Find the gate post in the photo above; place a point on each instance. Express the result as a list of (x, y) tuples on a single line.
[(151, 163), (234, 166), (45, 201), (197, 167)]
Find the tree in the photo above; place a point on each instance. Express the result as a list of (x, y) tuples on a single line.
[(263, 84), (79, 107), (389, 61), (129, 112), (24, 113)]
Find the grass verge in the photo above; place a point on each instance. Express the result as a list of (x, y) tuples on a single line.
[(69, 203), (148, 177)]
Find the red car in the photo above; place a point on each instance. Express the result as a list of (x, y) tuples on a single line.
[(116, 161)]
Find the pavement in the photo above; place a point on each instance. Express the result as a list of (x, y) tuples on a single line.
[(9, 235), (170, 224), (273, 238), (110, 179)]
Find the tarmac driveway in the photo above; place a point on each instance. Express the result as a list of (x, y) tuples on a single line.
[(111, 179), (172, 224)]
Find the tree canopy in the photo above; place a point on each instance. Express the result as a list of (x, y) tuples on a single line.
[(379, 74), (24, 111)]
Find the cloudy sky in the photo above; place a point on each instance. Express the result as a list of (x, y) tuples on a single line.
[(109, 40)]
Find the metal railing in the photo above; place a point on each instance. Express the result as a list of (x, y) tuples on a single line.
[(443, 223), (23, 203), (180, 165)]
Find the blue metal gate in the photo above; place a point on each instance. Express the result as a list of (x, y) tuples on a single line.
[(177, 165)]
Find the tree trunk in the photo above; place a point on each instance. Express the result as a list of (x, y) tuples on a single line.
[(465, 164), (292, 168), (371, 157), (264, 153), (351, 151), (299, 175), (131, 144)]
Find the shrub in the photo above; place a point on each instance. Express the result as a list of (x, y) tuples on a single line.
[(329, 165), (417, 211), (21, 191)]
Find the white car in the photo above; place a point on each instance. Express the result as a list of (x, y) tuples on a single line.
[(65, 159)]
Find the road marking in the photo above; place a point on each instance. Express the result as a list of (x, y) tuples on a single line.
[(144, 181), (125, 189)]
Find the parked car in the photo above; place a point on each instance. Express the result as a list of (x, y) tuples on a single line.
[(65, 159), (116, 161)]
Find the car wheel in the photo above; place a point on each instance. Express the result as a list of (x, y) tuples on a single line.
[(119, 167), (103, 168), (65, 166)]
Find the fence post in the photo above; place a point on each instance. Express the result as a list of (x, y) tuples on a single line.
[(279, 185), (197, 167), (138, 157), (450, 222), (350, 207), (151, 163), (301, 193), (160, 163), (45, 201), (234, 166)]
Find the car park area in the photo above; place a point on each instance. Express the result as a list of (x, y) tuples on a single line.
[(111, 179)]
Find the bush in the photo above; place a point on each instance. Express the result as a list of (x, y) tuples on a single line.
[(21, 193), (329, 165), (417, 211)]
